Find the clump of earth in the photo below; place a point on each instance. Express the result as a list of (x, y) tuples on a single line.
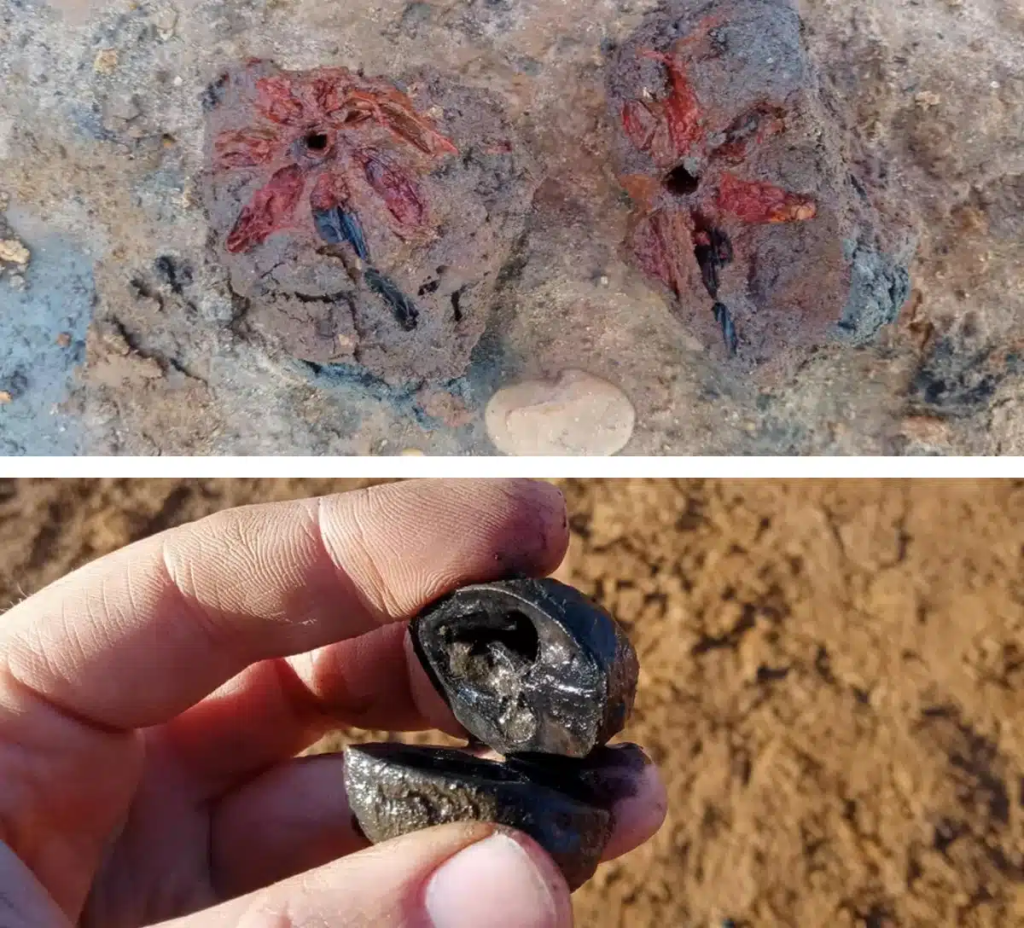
[(363, 224), (747, 208)]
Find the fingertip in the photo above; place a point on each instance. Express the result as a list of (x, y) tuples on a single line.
[(525, 520), (544, 495), (404, 544), (638, 813), (505, 879), (549, 872), (543, 508)]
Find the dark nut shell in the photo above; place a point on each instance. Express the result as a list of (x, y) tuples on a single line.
[(603, 778), (394, 789), (529, 666)]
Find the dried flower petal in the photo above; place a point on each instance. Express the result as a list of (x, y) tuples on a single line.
[(404, 122), (354, 110), (642, 189), (400, 195), (655, 239), (330, 89), (682, 110), (402, 308), (330, 190), (755, 202), (271, 206), (334, 217), (276, 101), (639, 123), (336, 226), (724, 319), (245, 148)]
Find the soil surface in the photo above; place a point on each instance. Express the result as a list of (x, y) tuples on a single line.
[(832, 677), (124, 328)]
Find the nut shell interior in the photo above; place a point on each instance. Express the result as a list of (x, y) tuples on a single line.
[(529, 666)]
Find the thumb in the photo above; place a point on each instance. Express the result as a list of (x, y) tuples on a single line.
[(472, 875)]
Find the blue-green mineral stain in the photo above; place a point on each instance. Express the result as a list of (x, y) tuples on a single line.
[(42, 342)]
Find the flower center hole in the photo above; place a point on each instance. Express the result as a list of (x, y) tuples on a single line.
[(681, 182), (316, 141)]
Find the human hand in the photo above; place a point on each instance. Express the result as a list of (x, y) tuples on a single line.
[(152, 704)]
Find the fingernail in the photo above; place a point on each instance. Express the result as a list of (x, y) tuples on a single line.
[(492, 883)]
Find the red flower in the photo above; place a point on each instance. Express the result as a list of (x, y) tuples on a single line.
[(310, 131), (674, 132)]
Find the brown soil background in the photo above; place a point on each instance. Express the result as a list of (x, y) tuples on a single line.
[(832, 678)]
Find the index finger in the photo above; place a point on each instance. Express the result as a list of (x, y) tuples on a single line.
[(140, 635)]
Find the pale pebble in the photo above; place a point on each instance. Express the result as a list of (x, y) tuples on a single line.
[(13, 252), (574, 413)]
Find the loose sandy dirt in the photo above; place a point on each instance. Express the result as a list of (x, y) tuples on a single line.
[(122, 334), (832, 680)]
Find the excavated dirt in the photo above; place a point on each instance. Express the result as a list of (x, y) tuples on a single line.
[(421, 214), (832, 680), (743, 190), (129, 331)]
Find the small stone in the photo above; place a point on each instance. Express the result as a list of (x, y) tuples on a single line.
[(165, 21), (925, 430), (5, 397), (14, 252), (410, 453), (149, 368), (926, 99), (105, 61), (63, 340), (439, 404), (6, 135), (17, 282), (125, 108), (576, 413)]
